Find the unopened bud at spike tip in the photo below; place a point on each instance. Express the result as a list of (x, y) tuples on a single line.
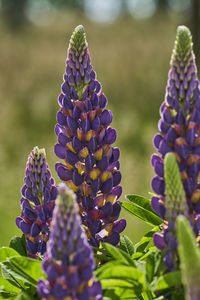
[(78, 38), (183, 43)]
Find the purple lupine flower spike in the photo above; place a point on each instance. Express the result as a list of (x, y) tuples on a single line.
[(37, 202), (179, 127), (69, 261), (85, 139)]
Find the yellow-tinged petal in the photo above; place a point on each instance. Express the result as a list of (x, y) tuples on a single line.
[(80, 134), (111, 198), (89, 135), (80, 167), (98, 154), (195, 196), (86, 189), (100, 200), (105, 176), (84, 152), (70, 167), (72, 186), (94, 173), (69, 146)]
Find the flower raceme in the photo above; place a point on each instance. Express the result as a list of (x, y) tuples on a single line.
[(179, 128), (91, 164), (37, 202), (68, 262)]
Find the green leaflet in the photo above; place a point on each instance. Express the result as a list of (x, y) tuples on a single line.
[(19, 244), (143, 214), (6, 252), (118, 254), (143, 243), (119, 271), (23, 268), (126, 245), (7, 287), (167, 281), (140, 201)]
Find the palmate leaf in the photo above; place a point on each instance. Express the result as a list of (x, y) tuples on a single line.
[(141, 208)]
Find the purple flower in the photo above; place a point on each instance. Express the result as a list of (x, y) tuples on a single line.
[(85, 138), (37, 202), (68, 262), (179, 133)]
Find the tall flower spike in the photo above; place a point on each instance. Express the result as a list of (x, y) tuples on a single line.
[(179, 127), (189, 258), (37, 202), (69, 261), (175, 205), (91, 164)]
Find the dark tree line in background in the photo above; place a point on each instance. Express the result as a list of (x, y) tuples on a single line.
[(14, 15)]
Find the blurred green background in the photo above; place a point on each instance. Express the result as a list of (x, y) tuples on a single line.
[(130, 42)]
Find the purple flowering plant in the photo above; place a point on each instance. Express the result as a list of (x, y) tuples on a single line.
[(72, 245)]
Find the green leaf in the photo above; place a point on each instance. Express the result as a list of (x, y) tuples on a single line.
[(137, 255), (6, 252), (114, 252), (24, 268), (7, 287), (140, 201), (115, 283), (17, 243), (126, 245), (120, 294), (150, 266), (167, 281), (118, 254), (143, 214), (123, 272), (143, 243), (26, 296)]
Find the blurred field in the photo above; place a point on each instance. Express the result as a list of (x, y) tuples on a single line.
[(131, 59)]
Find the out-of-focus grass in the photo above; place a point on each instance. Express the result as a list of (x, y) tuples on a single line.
[(131, 59)]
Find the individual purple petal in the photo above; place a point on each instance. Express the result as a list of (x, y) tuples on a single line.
[(71, 123), (106, 117), (62, 120), (158, 185), (159, 241), (102, 101), (60, 151), (64, 173), (111, 136), (71, 157), (107, 185)]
